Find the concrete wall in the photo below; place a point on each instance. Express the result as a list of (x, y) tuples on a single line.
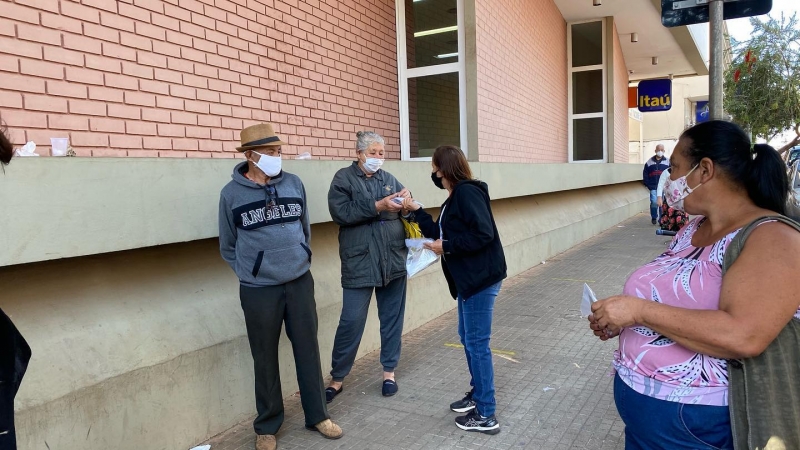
[(146, 348), (621, 151)]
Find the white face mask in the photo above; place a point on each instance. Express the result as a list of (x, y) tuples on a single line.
[(660, 154), (677, 190), (270, 165), (373, 165)]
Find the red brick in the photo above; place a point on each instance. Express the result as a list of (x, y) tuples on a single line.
[(184, 144), (121, 82), (150, 31), (202, 20), (87, 107), (218, 61), (117, 22), (123, 111), (88, 139), (67, 122), (59, 22), (38, 34), (208, 121), (41, 69), (209, 145), (183, 118), (156, 87), (168, 23), (19, 48), (171, 130), (152, 5), (107, 125), (64, 89), (207, 96), (196, 107), (19, 13), (220, 86), (179, 38), (168, 75), (101, 32), (183, 92), (103, 63), (143, 153), (206, 71), (193, 30), (165, 48), (118, 52), (193, 55), (44, 5), (107, 5), (10, 99), (140, 99), (125, 141), (227, 27), (26, 119), (171, 154), (155, 115), (134, 12), (7, 28), (83, 44), (157, 143), (106, 94), (136, 70), (195, 81), (79, 11), (140, 128), (191, 5), (132, 40), (45, 103), (108, 152), (60, 55), (81, 75), (178, 13), (151, 59), (166, 102), (180, 64), (220, 110)]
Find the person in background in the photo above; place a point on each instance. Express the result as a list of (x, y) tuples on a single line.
[(372, 249), (679, 319), (14, 350), (650, 176), (264, 235), (474, 265)]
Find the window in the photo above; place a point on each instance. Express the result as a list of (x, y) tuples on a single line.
[(432, 81), (588, 121)]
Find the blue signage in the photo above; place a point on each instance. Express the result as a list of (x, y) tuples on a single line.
[(701, 112), (655, 95)]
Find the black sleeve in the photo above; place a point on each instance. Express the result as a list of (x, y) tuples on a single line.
[(474, 211), (428, 226)]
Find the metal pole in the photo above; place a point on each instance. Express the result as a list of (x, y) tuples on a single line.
[(717, 69)]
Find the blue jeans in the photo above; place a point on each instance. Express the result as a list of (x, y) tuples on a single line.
[(652, 424), (475, 330), (653, 205)]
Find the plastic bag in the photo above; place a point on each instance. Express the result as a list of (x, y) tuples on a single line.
[(419, 258), (304, 155), (588, 299), (28, 149), (412, 230)]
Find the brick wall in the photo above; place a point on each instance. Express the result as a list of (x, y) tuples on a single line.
[(522, 81), (621, 150), (181, 78)]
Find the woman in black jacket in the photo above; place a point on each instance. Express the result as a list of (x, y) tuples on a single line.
[(474, 266)]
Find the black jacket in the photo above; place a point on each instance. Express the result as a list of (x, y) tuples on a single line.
[(473, 255), (14, 356)]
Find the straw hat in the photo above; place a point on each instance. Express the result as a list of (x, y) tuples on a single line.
[(258, 136)]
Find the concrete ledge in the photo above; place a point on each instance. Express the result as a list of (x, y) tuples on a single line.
[(57, 208)]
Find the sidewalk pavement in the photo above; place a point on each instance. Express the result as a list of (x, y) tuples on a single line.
[(552, 376)]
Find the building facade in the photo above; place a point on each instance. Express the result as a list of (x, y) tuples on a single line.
[(110, 263)]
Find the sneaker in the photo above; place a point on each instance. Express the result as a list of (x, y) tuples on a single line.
[(475, 422), (327, 429), (466, 404)]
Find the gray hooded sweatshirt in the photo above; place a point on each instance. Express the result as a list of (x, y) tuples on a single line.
[(264, 231)]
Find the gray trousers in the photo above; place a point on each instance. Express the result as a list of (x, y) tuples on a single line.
[(266, 309), (355, 305)]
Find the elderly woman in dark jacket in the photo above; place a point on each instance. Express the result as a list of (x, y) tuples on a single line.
[(373, 254), (474, 265)]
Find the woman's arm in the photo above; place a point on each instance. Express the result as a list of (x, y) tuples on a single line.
[(758, 298)]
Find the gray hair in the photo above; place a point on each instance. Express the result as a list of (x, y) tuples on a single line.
[(366, 138)]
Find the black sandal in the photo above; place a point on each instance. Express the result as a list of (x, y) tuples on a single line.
[(331, 393)]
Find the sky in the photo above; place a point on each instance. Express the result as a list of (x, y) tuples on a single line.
[(740, 30)]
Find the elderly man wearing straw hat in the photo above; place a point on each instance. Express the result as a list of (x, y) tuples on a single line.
[(264, 235)]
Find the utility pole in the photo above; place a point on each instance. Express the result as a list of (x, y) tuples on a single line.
[(716, 77)]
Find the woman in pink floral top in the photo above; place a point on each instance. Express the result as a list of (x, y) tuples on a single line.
[(678, 320)]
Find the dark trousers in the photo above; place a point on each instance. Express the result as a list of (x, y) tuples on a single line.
[(266, 309), (355, 305), (14, 356)]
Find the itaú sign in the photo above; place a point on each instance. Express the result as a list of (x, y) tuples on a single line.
[(655, 95)]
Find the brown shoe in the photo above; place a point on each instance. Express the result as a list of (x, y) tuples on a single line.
[(328, 429), (266, 442)]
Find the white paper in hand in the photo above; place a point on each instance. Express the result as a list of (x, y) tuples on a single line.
[(588, 299)]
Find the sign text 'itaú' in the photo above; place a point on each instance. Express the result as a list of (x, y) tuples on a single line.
[(655, 95)]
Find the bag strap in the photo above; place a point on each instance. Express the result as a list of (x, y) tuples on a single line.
[(736, 245)]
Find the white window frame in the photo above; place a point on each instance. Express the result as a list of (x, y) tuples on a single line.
[(404, 74), (570, 115)]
